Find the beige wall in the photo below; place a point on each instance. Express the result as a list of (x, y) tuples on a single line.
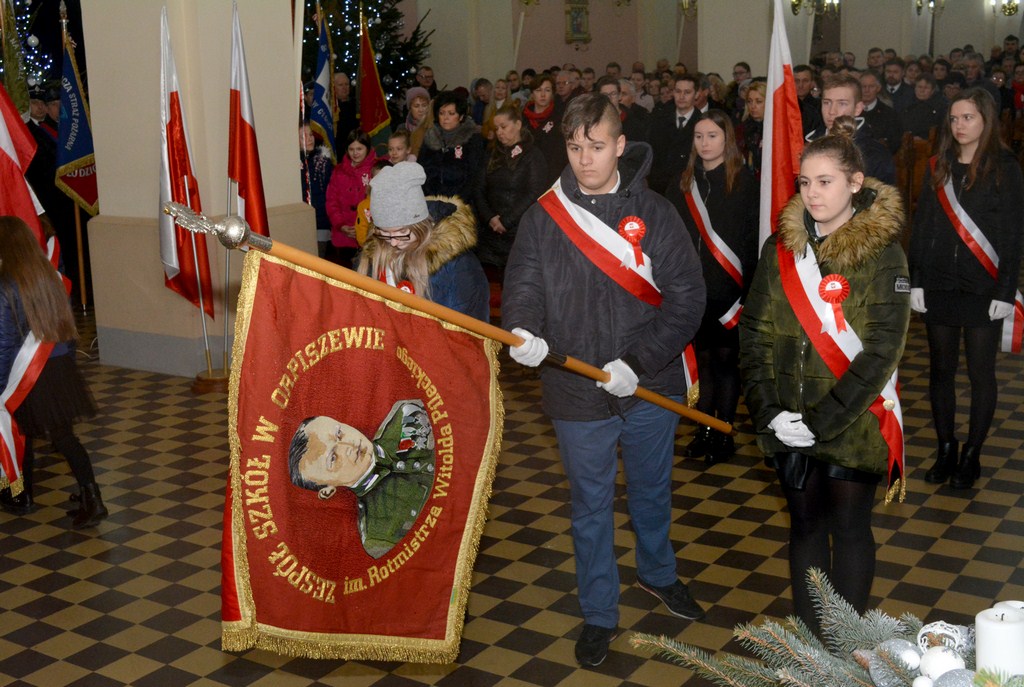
[(142, 324)]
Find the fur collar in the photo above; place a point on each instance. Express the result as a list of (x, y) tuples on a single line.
[(437, 139), (857, 242), (453, 234)]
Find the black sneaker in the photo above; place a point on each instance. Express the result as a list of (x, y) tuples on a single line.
[(676, 598), (592, 646)]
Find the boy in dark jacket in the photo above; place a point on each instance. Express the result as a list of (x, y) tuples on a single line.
[(615, 281)]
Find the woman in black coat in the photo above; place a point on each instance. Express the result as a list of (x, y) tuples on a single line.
[(716, 180), (545, 124), (962, 289), (453, 151), (516, 175)]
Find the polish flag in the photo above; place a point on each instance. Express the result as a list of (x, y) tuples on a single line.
[(186, 265), (783, 130), (17, 148), (243, 153)]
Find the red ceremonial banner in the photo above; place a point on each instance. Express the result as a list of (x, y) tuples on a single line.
[(364, 439)]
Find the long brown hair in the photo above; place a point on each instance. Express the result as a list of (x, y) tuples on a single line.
[(986, 157), (733, 158), (409, 263), (24, 267)]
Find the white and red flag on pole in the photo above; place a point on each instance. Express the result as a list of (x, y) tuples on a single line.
[(17, 148), (186, 264), (783, 129), (243, 153)]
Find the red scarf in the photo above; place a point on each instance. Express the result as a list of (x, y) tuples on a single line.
[(535, 118)]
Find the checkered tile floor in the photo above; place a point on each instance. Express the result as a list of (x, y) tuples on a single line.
[(135, 601)]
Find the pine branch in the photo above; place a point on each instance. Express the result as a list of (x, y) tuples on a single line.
[(894, 669), (844, 629), (783, 650), (733, 671)]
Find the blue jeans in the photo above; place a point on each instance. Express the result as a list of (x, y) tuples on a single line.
[(646, 434)]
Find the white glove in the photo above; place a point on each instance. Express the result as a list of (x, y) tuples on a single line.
[(790, 429), (623, 380), (998, 310), (531, 352), (917, 300)]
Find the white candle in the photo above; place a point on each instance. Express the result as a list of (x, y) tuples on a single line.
[(1000, 640), (1010, 605)]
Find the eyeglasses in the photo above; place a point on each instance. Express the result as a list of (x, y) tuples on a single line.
[(391, 238), (562, 83)]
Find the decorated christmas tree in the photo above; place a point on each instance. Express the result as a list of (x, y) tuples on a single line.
[(873, 650), (397, 57)]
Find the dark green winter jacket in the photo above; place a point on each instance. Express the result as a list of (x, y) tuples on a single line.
[(781, 368)]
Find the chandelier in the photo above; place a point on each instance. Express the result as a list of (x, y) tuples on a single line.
[(819, 7), (689, 8), (934, 6), (1007, 7)]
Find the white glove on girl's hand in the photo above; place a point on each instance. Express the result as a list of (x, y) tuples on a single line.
[(998, 310), (531, 352), (623, 380), (917, 300), (790, 429)]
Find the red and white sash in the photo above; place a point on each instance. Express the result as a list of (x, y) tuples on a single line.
[(723, 254), (690, 373), (28, 363), (602, 245), (615, 256), (981, 248), (800, 281)]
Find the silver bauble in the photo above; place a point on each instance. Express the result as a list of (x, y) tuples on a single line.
[(956, 678), (902, 650), (33, 41)]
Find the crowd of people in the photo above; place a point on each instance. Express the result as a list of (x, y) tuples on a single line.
[(617, 217), (620, 212)]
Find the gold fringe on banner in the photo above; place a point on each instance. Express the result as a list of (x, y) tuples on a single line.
[(248, 633)]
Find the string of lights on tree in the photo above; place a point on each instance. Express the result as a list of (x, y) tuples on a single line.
[(37, 65), (397, 58)]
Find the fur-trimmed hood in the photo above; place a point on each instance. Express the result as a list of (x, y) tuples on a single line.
[(454, 232), (877, 222)]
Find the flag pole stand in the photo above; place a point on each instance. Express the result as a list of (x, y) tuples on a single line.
[(211, 381)]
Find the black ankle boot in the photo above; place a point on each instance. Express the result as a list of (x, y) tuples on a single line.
[(700, 444), (91, 510), (968, 469), (945, 462), (22, 504), (722, 448)]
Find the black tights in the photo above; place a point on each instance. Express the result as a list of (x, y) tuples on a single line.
[(840, 509), (68, 445), (718, 372), (980, 344)]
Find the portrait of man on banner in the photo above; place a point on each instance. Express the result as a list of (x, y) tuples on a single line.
[(391, 475)]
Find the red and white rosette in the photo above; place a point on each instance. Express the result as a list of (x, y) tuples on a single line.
[(406, 285), (632, 228), (834, 289)]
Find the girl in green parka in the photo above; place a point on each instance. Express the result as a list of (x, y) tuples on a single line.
[(816, 428)]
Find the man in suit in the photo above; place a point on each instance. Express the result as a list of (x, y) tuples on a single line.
[(810, 107), (900, 95), (883, 120), (671, 133)]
